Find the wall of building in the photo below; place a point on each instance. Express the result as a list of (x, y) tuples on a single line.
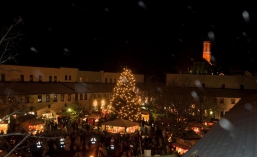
[(89, 76), (13, 73), (110, 77), (62, 74), (213, 81), (104, 77)]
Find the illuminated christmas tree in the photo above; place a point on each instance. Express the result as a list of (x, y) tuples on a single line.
[(125, 102)]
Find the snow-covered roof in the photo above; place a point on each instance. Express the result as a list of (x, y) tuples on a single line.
[(235, 135)]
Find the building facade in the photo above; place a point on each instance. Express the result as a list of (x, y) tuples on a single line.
[(49, 91), (228, 90)]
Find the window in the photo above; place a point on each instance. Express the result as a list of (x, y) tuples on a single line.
[(2, 77), (105, 95), (203, 84), (105, 80), (94, 95), (69, 97), (55, 98), (31, 78), (40, 78), (110, 80), (55, 78), (241, 86), (115, 80), (76, 96), (62, 97), (99, 95), (66, 77), (39, 98), (69, 77), (81, 96), (50, 78), (221, 100), (22, 78), (47, 98), (85, 97), (233, 101), (223, 86)]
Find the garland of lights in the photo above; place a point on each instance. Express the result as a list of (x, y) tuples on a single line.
[(125, 99)]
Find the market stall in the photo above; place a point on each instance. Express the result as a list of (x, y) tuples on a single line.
[(3, 128), (36, 125), (120, 126)]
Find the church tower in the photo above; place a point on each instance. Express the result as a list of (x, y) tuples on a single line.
[(207, 51)]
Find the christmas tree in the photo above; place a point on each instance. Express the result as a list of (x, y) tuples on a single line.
[(125, 101)]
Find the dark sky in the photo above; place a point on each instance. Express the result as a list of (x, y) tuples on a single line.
[(146, 36)]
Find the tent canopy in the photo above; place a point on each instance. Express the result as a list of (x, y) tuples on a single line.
[(93, 116), (36, 121), (121, 123)]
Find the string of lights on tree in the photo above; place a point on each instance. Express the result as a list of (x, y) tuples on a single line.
[(125, 99)]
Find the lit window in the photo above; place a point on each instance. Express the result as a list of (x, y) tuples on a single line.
[(102, 104), (95, 105), (47, 98), (39, 98)]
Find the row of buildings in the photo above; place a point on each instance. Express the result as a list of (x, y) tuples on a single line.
[(48, 91)]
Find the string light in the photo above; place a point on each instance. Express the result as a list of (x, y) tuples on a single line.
[(125, 100)]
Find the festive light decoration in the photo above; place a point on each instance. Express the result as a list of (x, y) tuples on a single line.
[(125, 100), (9, 115)]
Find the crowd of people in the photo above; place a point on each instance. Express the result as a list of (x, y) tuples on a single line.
[(77, 139)]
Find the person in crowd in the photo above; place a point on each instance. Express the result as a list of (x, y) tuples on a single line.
[(77, 143), (67, 143)]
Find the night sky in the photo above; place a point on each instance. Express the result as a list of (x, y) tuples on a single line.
[(146, 36)]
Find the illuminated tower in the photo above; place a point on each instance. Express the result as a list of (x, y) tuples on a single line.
[(207, 51)]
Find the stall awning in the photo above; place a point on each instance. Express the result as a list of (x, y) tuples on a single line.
[(53, 109), (180, 146)]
